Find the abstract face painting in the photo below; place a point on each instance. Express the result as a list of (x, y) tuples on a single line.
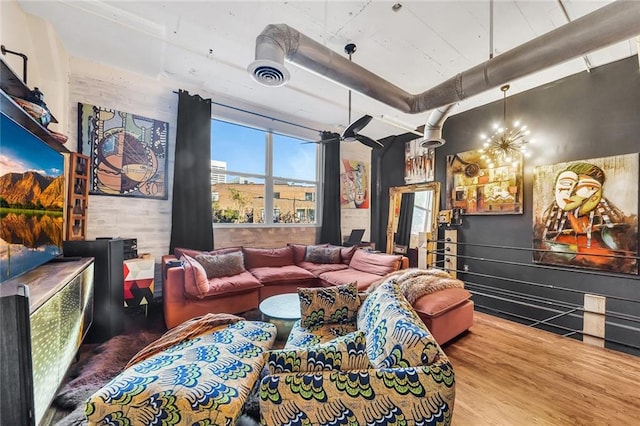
[(588, 216)]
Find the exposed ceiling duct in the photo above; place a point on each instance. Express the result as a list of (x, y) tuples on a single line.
[(617, 21), (433, 129)]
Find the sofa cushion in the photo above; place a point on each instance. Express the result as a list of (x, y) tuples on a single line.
[(342, 353), (302, 337), (299, 251), (346, 253), (179, 251), (320, 268), (439, 302), (375, 263), (348, 275), (222, 265), (196, 283), (262, 258), (234, 284), (328, 305), (291, 273), (322, 254)]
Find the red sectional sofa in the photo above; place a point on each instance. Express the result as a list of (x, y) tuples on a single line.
[(237, 279)]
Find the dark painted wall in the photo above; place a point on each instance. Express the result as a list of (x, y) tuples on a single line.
[(588, 115)]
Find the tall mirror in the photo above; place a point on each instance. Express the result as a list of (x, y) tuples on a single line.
[(413, 213)]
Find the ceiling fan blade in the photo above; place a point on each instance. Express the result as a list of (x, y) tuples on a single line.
[(328, 138), (324, 141), (369, 142), (352, 130)]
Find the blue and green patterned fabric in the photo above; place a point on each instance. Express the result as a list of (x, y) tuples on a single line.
[(409, 380), (200, 381), (342, 353), (329, 305)]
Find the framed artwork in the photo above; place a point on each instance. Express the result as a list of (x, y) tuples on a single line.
[(354, 184), (419, 163), (585, 214), (479, 188), (128, 152)]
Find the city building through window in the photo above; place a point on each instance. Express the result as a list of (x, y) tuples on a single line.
[(258, 176)]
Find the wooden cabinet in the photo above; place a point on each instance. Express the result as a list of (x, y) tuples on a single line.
[(45, 314), (77, 196)]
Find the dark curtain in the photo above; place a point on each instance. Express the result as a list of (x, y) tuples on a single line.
[(330, 230), (191, 215), (403, 234)]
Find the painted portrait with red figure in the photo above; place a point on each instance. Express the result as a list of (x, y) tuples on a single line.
[(586, 214)]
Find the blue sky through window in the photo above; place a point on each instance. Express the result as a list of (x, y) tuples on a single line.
[(243, 149)]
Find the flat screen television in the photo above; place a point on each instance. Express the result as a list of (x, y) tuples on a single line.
[(31, 200)]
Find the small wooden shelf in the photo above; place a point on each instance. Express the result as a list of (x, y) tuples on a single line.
[(77, 196)]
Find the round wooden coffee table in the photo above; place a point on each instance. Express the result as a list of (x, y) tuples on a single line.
[(283, 311)]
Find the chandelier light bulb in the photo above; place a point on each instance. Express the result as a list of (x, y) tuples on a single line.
[(506, 145)]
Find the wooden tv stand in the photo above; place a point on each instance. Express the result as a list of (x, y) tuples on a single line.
[(45, 314)]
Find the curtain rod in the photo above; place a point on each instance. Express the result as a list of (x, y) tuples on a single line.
[(262, 115)]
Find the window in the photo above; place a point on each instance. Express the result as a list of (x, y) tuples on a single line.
[(261, 177)]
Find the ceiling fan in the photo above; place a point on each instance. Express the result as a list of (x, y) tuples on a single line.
[(352, 132)]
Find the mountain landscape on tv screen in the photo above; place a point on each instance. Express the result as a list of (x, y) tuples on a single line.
[(31, 190), (31, 220)]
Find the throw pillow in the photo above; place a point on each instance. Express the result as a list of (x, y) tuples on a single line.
[(195, 278), (346, 352), (222, 265), (329, 305), (346, 253), (322, 254), (299, 251)]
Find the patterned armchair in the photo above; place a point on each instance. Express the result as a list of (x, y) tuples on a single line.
[(352, 363)]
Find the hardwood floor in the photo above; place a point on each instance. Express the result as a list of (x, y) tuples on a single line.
[(510, 374)]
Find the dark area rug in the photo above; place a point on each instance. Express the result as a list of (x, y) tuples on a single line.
[(101, 365)]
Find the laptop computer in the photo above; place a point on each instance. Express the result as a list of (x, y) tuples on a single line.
[(354, 238)]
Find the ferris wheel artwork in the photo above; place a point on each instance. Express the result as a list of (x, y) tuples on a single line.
[(128, 152)]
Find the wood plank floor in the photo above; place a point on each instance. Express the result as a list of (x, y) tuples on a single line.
[(510, 374)]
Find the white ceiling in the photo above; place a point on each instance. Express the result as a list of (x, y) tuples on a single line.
[(210, 44)]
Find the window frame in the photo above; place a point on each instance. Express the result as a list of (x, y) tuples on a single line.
[(268, 210)]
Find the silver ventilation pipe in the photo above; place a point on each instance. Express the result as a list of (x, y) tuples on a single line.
[(433, 129), (610, 24)]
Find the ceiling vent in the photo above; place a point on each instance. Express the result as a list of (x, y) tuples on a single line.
[(269, 73)]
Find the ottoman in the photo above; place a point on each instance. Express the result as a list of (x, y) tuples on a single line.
[(446, 313), (204, 380)]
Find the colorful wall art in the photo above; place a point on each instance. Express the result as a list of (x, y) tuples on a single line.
[(478, 187), (354, 184), (128, 152), (419, 162), (585, 214)]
